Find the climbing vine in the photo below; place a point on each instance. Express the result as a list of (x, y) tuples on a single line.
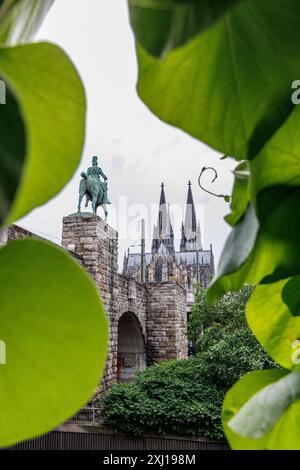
[(223, 71)]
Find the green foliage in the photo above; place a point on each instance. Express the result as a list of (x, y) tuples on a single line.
[(162, 25), (20, 19), (185, 397), (229, 85), (225, 345), (172, 397), (52, 320), (228, 312), (55, 353), (242, 393), (50, 102), (275, 327)]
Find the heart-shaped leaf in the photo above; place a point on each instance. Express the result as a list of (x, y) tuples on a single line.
[(272, 323), (20, 19), (241, 196), (162, 25), (225, 87), (52, 103), (236, 257), (55, 331), (259, 415), (274, 418)]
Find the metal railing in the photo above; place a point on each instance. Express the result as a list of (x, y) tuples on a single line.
[(87, 415)]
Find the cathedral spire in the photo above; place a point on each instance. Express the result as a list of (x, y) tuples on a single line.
[(190, 215), (191, 234), (163, 234)]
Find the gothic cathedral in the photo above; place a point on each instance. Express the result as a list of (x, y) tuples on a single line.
[(189, 266)]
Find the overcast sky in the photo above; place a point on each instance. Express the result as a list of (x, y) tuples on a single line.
[(137, 151)]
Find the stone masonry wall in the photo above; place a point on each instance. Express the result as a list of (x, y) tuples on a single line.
[(166, 322), (159, 307)]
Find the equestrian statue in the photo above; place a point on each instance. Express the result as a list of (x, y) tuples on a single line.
[(93, 188)]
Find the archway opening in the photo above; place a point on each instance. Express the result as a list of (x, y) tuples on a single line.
[(131, 348)]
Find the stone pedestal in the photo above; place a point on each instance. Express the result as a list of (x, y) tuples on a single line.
[(95, 244)]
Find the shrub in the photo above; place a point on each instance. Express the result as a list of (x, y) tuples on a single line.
[(185, 397)]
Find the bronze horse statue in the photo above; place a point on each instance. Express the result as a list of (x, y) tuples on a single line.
[(94, 189)]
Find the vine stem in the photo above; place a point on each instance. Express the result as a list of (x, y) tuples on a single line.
[(226, 197)]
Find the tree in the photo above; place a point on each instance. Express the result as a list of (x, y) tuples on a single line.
[(229, 312)]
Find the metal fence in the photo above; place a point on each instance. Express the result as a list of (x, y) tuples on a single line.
[(59, 440)]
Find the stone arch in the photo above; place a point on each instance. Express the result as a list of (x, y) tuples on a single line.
[(131, 355)]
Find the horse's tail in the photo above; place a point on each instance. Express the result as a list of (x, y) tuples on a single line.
[(82, 186)]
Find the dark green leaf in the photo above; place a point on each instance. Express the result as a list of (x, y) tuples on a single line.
[(275, 254), (162, 25), (12, 151), (291, 295), (225, 87)]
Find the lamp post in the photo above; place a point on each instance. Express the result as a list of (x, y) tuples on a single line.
[(143, 246)]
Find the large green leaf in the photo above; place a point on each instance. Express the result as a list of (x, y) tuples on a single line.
[(161, 25), (55, 330), (271, 321), (52, 102), (20, 19), (241, 195), (225, 86), (278, 163), (275, 254), (285, 434), (259, 415), (236, 257)]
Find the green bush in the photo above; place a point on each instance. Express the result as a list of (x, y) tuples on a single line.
[(185, 397), (171, 397)]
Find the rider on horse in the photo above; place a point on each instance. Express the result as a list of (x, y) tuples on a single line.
[(94, 188), (95, 172)]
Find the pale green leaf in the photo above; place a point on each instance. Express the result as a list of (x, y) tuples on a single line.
[(20, 19), (55, 331), (273, 324), (285, 435), (235, 260), (266, 407), (241, 196)]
